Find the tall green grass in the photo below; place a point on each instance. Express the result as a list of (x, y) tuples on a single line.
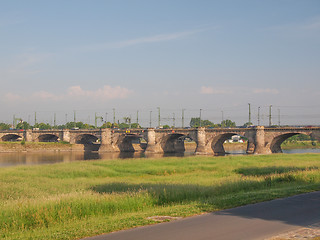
[(73, 200)]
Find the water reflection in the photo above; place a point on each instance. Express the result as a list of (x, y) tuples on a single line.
[(306, 150), (36, 158)]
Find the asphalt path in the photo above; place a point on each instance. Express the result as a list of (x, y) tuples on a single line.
[(255, 221)]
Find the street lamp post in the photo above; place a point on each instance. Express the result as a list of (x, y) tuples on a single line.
[(150, 118), (183, 117), (159, 118), (270, 108), (249, 113), (174, 120), (137, 117), (74, 118), (114, 116)]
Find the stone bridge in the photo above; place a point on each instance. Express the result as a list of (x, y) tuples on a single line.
[(261, 140)]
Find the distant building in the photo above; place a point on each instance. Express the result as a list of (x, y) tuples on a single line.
[(235, 138)]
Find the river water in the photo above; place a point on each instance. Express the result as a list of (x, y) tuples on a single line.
[(37, 158)]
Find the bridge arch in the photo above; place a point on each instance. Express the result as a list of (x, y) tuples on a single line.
[(275, 145), (174, 142), (219, 140), (86, 139), (125, 142), (11, 138), (48, 138)]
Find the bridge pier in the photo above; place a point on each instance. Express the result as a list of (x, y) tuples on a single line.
[(153, 143), (203, 146), (260, 145), (66, 135), (28, 135), (107, 141)]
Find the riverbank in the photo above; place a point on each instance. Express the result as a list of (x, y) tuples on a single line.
[(86, 198), (284, 146), (39, 146), (190, 146)]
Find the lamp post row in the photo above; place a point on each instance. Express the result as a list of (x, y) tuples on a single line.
[(173, 118)]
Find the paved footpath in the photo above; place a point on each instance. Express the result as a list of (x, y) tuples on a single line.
[(256, 221)]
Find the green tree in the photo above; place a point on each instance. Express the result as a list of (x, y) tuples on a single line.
[(79, 125), (135, 125), (70, 125), (207, 123), (61, 126), (195, 122), (247, 124), (228, 123), (299, 137), (88, 126), (114, 125), (4, 126), (124, 125), (23, 125), (107, 125), (43, 126)]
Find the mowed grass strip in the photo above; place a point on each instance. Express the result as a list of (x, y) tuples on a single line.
[(86, 198)]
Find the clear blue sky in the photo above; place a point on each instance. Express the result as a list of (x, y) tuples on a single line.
[(93, 56)]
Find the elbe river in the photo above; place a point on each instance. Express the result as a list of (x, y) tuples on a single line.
[(36, 158)]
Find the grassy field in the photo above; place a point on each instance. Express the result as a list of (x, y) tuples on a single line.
[(86, 198)]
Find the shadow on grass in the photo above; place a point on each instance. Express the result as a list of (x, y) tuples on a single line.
[(230, 195), (162, 193), (264, 171), (221, 196)]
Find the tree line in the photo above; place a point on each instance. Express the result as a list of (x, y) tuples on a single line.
[(194, 123), (70, 125)]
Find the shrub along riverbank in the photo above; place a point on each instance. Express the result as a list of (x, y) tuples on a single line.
[(300, 145), (285, 146), (86, 198)]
